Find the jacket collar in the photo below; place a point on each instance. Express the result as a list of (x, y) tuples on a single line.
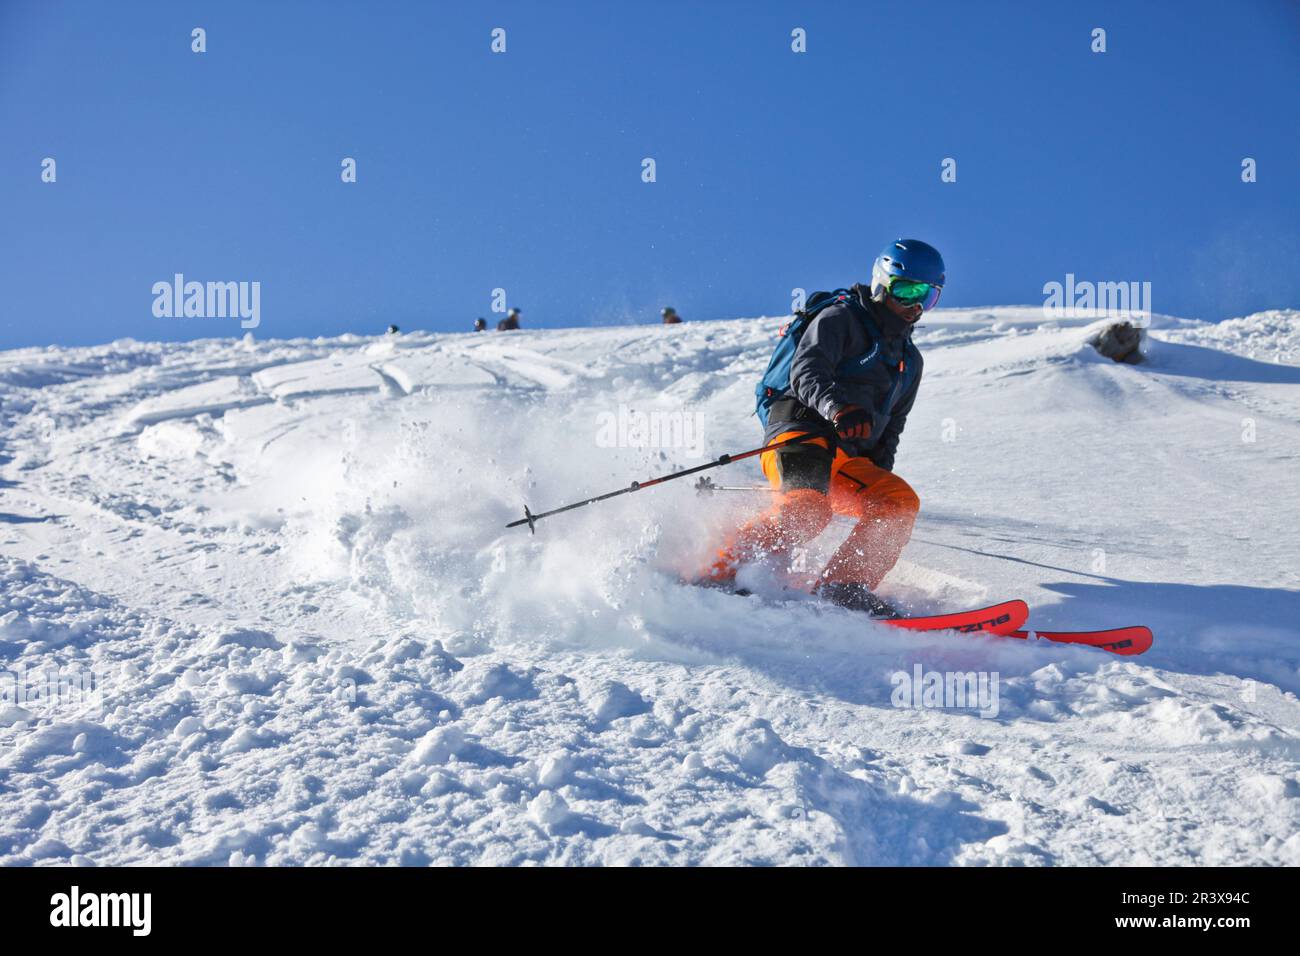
[(889, 324)]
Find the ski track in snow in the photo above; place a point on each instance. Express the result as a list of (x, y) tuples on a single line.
[(285, 561)]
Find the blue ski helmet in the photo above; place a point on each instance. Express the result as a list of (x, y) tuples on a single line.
[(909, 258)]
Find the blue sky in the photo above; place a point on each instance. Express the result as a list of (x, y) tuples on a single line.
[(522, 170)]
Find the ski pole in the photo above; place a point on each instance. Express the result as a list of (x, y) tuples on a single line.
[(531, 519)]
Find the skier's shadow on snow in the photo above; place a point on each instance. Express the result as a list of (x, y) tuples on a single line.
[(1239, 629)]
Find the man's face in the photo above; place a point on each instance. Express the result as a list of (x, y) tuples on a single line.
[(908, 313)]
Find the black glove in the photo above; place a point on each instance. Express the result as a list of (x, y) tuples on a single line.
[(853, 423)]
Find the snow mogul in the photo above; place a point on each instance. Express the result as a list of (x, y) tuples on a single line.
[(844, 375)]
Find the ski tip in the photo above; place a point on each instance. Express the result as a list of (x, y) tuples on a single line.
[(1142, 639)]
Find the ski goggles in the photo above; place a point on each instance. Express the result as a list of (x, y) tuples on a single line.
[(911, 292)]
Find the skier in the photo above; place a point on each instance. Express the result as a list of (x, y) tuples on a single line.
[(510, 322), (480, 324), (848, 380), (670, 315)]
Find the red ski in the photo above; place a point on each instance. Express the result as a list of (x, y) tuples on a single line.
[(1006, 620), (1001, 619), (1119, 640)]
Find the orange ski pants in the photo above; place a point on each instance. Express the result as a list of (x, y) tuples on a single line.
[(884, 505)]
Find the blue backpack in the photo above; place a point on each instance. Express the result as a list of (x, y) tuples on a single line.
[(775, 384)]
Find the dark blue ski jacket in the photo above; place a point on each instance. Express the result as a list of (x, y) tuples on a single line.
[(823, 379)]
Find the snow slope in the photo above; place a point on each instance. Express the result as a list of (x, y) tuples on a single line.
[(285, 564)]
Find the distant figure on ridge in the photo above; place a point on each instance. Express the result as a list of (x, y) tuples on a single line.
[(670, 316), (480, 325), (510, 322)]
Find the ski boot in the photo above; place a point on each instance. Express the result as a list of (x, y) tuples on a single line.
[(855, 597)]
